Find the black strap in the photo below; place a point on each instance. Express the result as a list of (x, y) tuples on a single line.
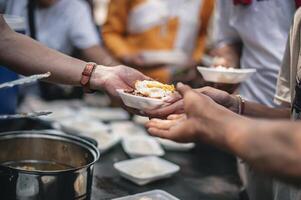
[(297, 100), (31, 18)]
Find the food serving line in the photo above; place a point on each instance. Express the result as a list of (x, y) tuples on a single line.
[(59, 163), (186, 171)]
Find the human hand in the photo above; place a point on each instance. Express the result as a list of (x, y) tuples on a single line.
[(176, 104), (113, 78), (203, 121), (221, 97)]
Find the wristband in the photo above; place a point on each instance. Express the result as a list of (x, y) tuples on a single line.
[(241, 105), (86, 76)]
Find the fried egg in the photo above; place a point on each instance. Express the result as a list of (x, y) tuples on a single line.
[(154, 89)]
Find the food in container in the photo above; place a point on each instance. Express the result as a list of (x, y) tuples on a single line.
[(147, 95), (46, 163), (138, 146), (225, 75), (146, 169), (151, 195)]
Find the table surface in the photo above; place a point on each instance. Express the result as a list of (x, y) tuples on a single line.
[(206, 173)]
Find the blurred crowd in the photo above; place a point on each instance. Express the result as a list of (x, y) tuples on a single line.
[(167, 40)]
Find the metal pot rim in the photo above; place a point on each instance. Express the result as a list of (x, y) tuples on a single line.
[(52, 134)]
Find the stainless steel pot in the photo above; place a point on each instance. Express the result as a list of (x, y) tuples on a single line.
[(45, 165)]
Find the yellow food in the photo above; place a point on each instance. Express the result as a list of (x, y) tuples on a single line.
[(154, 89)]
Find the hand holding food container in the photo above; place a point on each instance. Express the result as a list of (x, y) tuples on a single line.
[(147, 95)]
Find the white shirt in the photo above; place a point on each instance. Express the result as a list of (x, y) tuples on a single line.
[(64, 26), (263, 29)]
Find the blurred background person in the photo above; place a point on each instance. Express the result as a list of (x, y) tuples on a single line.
[(151, 35), (66, 26), (253, 34)]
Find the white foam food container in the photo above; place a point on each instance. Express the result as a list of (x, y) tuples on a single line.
[(104, 139), (82, 124), (164, 57), (175, 146), (140, 103), (127, 129), (223, 75), (146, 169), (150, 195), (138, 146), (104, 114), (90, 128)]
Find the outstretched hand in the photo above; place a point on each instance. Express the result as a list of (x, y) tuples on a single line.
[(203, 119), (177, 105)]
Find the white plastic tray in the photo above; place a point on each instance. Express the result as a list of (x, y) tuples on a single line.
[(127, 129), (105, 140), (81, 125), (138, 146), (104, 114), (146, 169), (90, 128), (151, 195)]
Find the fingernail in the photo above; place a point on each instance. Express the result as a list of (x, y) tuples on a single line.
[(179, 84)]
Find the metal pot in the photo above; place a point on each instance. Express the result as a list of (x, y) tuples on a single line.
[(45, 164)]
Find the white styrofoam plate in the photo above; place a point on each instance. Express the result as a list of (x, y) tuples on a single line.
[(127, 129), (82, 124), (104, 114), (140, 103), (90, 128), (175, 146), (150, 195), (223, 75), (105, 140), (146, 169), (138, 146)]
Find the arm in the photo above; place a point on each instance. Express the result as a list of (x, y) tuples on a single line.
[(270, 146), (223, 98), (26, 56), (98, 55)]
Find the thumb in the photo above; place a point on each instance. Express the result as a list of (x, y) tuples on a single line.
[(183, 89)]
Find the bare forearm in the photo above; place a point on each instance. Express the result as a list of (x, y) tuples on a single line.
[(98, 55), (261, 111), (26, 56), (273, 147)]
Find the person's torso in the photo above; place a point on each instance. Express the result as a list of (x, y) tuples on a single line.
[(167, 24), (52, 24), (263, 28)]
